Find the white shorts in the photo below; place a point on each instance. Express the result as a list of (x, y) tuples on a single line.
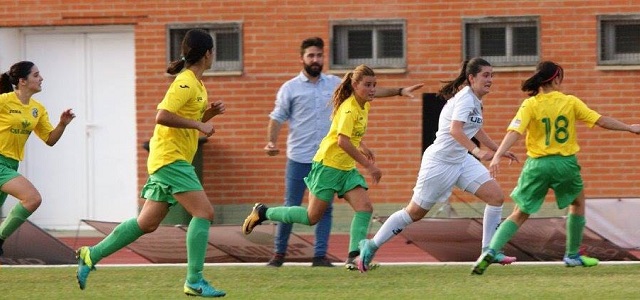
[(437, 179)]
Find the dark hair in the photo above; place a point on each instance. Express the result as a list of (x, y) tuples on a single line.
[(546, 71), (345, 89), (9, 79), (469, 67), (311, 42), (195, 44)]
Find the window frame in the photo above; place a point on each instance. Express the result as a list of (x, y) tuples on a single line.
[(609, 22), (471, 28), (218, 67), (339, 30)]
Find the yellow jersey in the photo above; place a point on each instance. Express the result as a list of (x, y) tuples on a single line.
[(550, 122), (186, 97), (350, 120), (17, 121)]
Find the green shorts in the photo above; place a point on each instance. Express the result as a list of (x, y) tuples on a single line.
[(176, 177), (8, 171), (559, 173), (324, 182)]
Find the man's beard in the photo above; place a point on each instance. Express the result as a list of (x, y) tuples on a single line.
[(313, 72)]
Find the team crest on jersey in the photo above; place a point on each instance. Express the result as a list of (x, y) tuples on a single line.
[(34, 112)]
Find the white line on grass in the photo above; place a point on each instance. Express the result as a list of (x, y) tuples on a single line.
[(530, 263)]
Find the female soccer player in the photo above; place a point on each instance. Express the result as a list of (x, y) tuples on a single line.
[(19, 116), (549, 117), (182, 115), (447, 162), (334, 169)]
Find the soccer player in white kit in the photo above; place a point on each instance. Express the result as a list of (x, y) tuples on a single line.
[(448, 162)]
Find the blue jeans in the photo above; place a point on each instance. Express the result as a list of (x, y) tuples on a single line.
[(294, 192)]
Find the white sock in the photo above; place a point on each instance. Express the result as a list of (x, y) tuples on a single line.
[(490, 223), (392, 227)]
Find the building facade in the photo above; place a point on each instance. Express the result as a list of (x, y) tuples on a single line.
[(115, 53)]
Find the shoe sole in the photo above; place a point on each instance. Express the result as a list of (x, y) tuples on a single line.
[(581, 265), (351, 267), (81, 263), (362, 266), (191, 293), (482, 264), (250, 221)]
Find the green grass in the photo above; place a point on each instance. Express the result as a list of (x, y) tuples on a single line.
[(303, 282)]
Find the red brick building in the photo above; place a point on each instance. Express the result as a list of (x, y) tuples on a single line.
[(597, 43)]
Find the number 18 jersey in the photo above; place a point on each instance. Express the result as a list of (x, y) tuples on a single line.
[(550, 122)]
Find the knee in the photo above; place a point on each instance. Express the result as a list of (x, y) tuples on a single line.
[(495, 198), (209, 216), (416, 212), (206, 214), (148, 228), (32, 202), (518, 216), (364, 206)]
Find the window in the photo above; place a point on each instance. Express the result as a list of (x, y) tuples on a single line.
[(619, 40), (227, 40), (378, 44), (508, 41)]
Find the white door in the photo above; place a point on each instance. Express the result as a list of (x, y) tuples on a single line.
[(91, 173)]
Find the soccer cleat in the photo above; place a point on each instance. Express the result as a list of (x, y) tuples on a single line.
[(276, 261), (321, 261), (500, 258), (580, 260), (202, 288), (254, 219), (483, 262), (350, 264), (367, 251), (85, 265)]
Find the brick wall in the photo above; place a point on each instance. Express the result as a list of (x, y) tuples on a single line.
[(236, 171)]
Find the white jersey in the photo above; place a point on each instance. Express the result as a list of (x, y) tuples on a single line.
[(464, 107)]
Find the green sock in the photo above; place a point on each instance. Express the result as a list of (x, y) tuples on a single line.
[(505, 232), (197, 241), (288, 214), (124, 234), (16, 217), (575, 227), (359, 229)]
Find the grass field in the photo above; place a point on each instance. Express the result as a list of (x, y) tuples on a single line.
[(519, 281)]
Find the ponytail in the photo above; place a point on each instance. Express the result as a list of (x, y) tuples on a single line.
[(345, 89), (342, 92), (11, 78), (195, 45), (5, 83), (451, 87), (176, 66), (546, 72)]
